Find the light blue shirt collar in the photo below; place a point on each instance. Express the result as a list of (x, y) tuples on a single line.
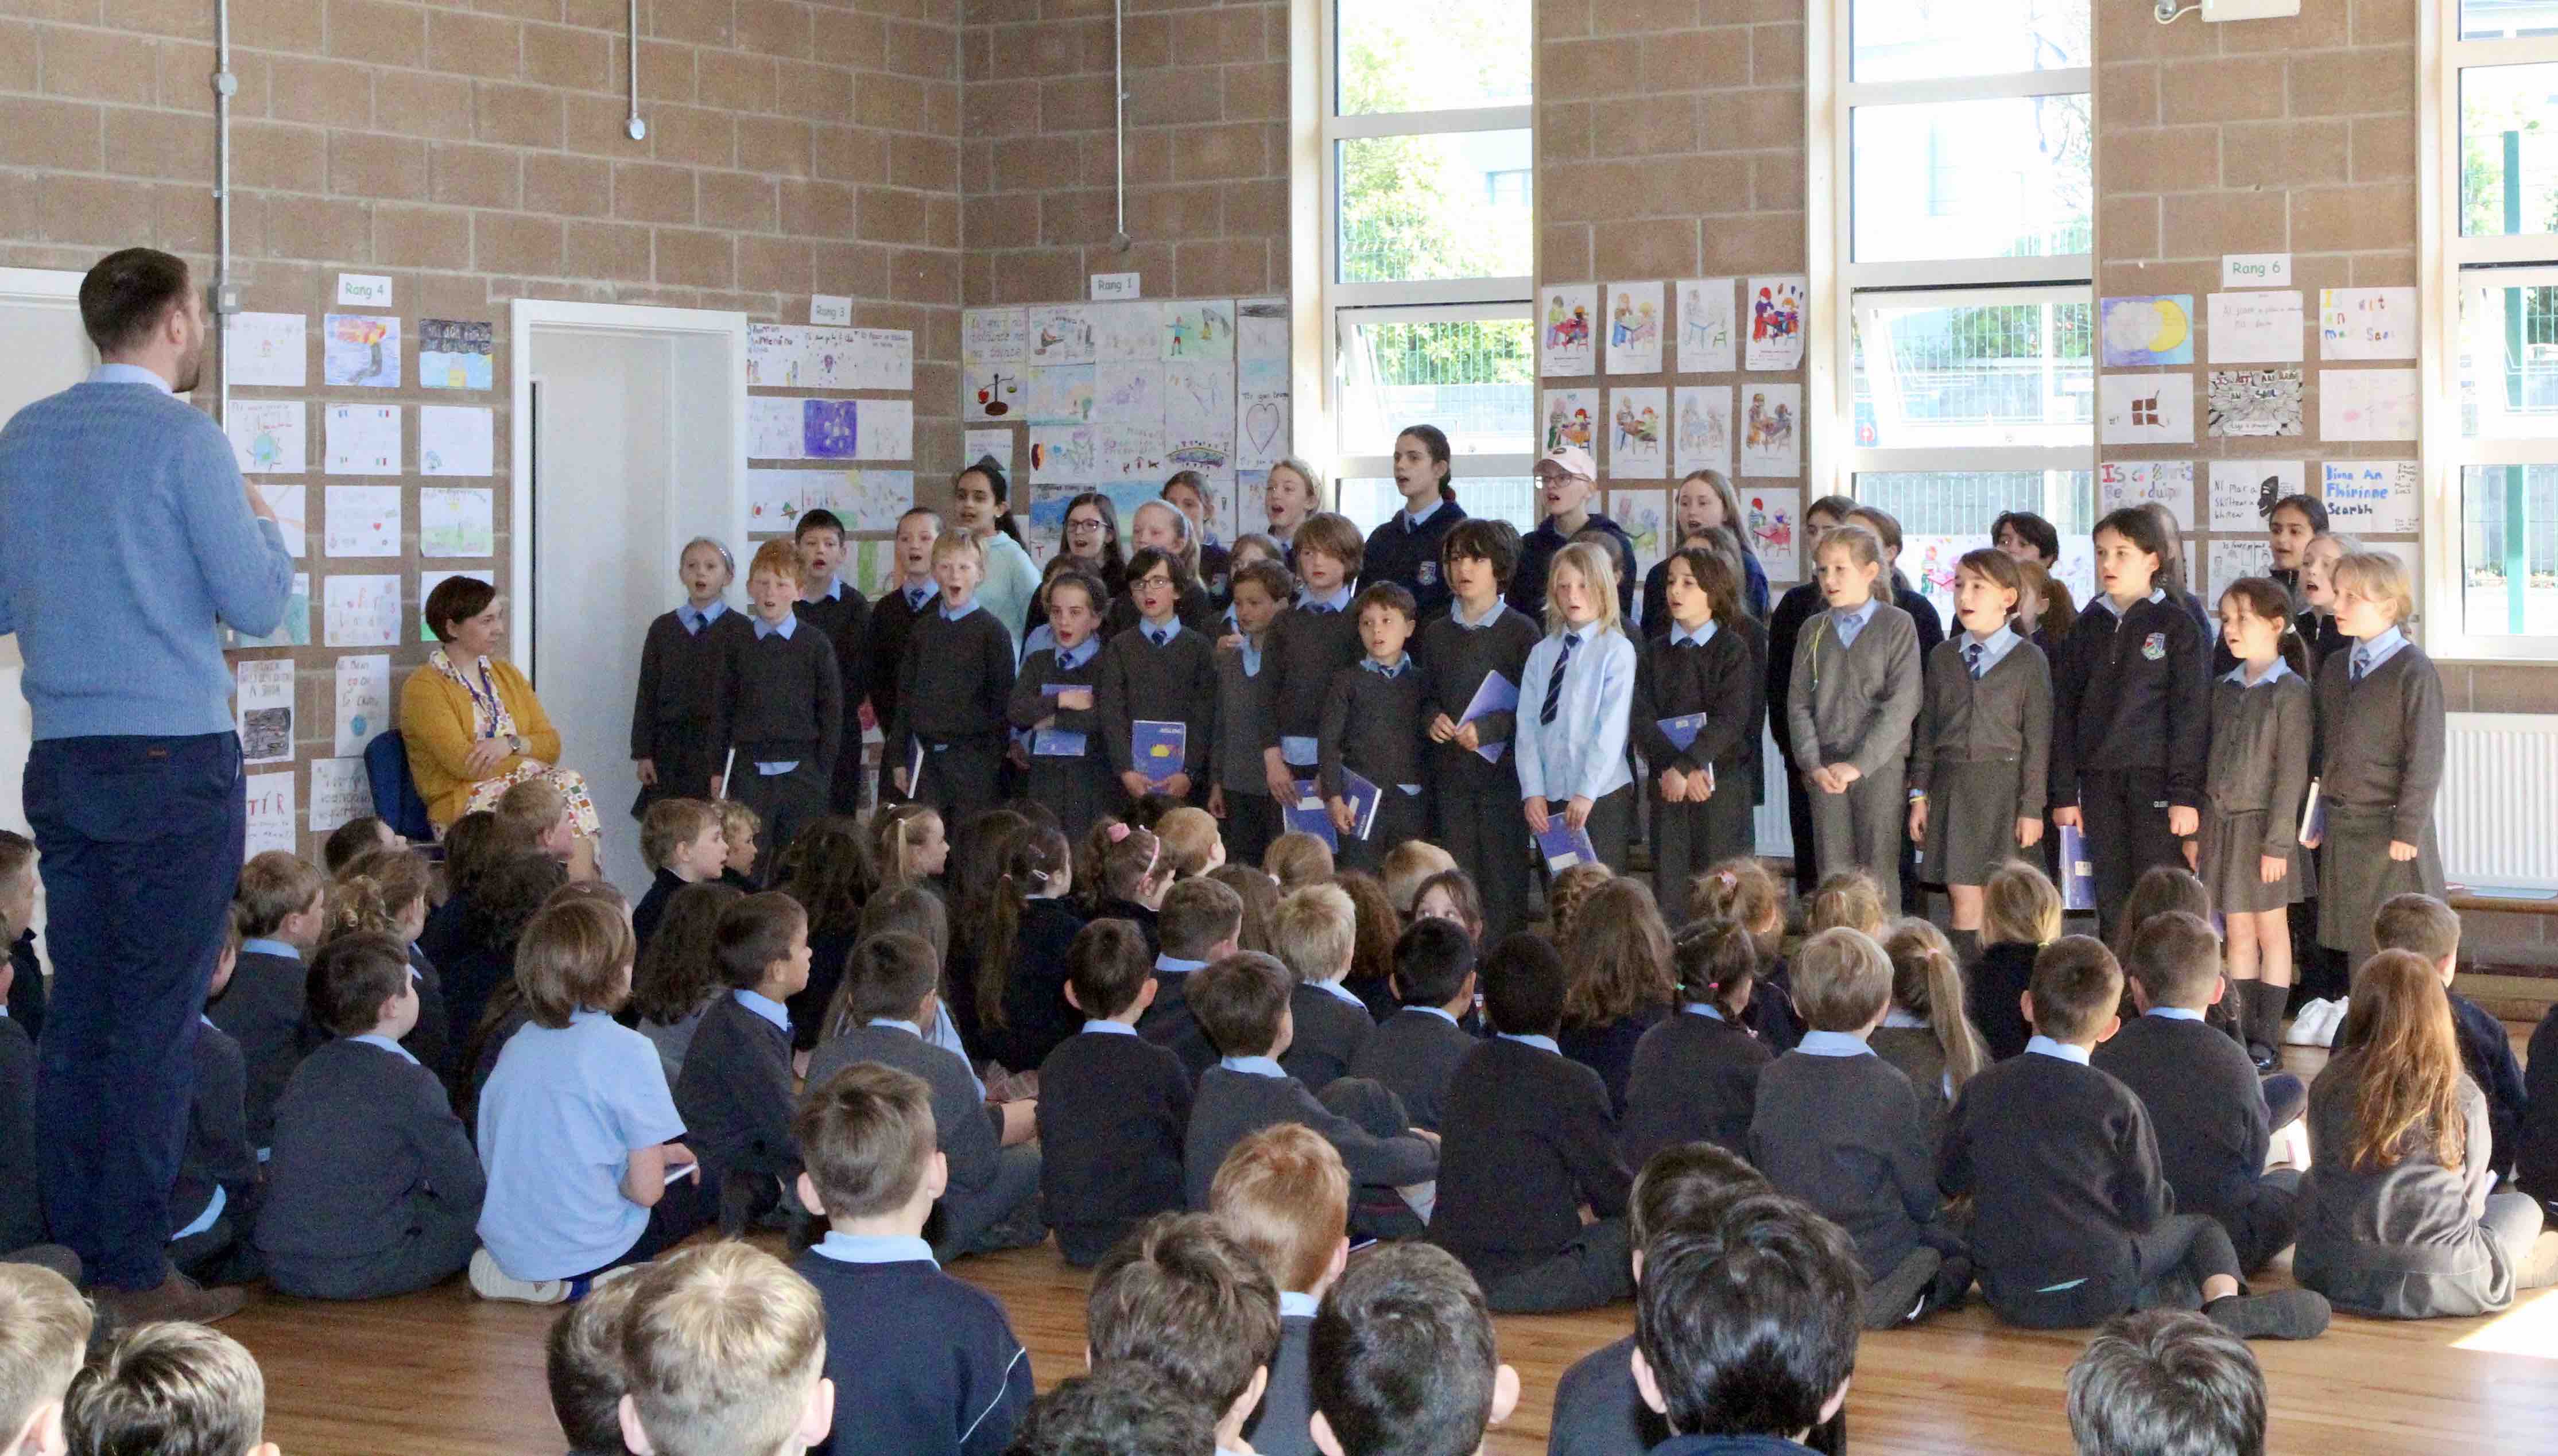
[(918, 597), (873, 1248), (1339, 992), (1171, 627), (1542, 1043), (264, 945), (2172, 1014), (1175, 966), (1070, 658), (695, 619), (1382, 670), (2274, 673), (1850, 620), (2373, 651), (1832, 1044), (783, 630), (1293, 1305), (950, 614), (909, 1027), (765, 1007), (1701, 1008), (1994, 647), (128, 374), (1457, 614), (2157, 594), (376, 1038), (1414, 520), (1439, 1012), (1252, 1066), (2045, 1046), (1338, 600), (1110, 1029), (835, 591), (1698, 638), (1247, 649)]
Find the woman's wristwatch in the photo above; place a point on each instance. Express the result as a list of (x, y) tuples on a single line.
[(515, 743)]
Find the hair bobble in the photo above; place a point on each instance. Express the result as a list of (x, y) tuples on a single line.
[(1116, 832), (1726, 878)]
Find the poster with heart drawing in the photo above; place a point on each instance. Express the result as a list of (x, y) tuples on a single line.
[(1261, 414)]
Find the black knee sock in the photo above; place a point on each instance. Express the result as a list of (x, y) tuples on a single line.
[(2265, 1006)]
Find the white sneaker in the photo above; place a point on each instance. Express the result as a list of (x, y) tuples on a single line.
[(2304, 1028), (2334, 1022), (492, 1282)]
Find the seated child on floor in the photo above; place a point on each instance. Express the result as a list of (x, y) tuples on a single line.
[(169, 1388), (1284, 1194), (1184, 1296), (1403, 1359), (1113, 1106), (725, 1355)]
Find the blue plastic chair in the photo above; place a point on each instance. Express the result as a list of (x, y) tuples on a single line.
[(395, 799)]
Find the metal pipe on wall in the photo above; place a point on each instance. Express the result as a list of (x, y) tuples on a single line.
[(1119, 111), (225, 297)]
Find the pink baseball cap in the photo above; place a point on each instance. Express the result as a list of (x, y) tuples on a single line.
[(1570, 459)]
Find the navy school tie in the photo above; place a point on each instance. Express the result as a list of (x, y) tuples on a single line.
[(1555, 684)]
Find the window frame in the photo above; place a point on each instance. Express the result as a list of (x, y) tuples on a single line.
[(1837, 279), (1340, 305), (2445, 256)]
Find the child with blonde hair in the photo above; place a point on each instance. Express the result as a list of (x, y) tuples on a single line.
[(1297, 859), (1568, 891), (1190, 842), (1285, 1196), (1854, 697), (741, 828), (725, 1354), (44, 1336), (1926, 1031), (1576, 706), (782, 714), (2379, 756), (1407, 865), (2019, 915)]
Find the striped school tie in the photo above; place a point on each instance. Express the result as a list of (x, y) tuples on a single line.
[(2361, 665), (1159, 636), (1972, 658), (1555, 684)]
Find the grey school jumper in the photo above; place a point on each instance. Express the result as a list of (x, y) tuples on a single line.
[(1855, 705), (1981, 752), (2379, 763)]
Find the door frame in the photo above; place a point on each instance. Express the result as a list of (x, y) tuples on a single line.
[(524, 317)]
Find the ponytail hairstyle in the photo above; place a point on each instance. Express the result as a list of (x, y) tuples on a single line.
[(2002, 570), (1740, 889), (359, 904), (1928, 982), (2263, 597), (976, 870), (895, 831), (987, 466), (1033, 863), (1434, 441), (1850, 899), (1717, 962), (2172, 563), (401, 876)]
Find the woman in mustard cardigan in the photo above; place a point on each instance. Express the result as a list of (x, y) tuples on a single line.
[(473, 727)]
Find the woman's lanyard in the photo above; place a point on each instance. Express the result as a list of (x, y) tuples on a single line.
[(484, 707)]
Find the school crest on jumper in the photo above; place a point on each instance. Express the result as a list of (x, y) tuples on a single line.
[(2154, 646), (1430, 574)]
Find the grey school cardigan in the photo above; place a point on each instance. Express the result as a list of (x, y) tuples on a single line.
[(2004, 716), (2402, 1241), (1854, 703)]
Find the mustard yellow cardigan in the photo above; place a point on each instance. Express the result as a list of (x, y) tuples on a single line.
[(439, 727)]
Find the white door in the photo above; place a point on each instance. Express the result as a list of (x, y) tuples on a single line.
[(42, 350), (635, 425)]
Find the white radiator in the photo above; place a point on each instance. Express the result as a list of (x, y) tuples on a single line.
[(2498, 815)]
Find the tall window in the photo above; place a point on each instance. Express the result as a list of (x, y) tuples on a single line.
[(1963, 206), (1429, 238), (2493, 586)]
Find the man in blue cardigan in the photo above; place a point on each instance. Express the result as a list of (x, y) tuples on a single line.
[(129, 534)]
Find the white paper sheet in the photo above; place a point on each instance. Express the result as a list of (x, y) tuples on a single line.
[(2367, 322), (774, 429), (1701, 438), (2366, 404), (1646, 517), (2243, 492), (291, 506), (456, 441), (363, 520), (887, 429), (1708, 343), (1568, 329), (267, 436), (1571, 418), (364, 701), (270, 814), (1775, 515), (364, 439), (264, 715), (360, 349), (294, 630), (456, 521), (2376, 498), (1262, 411), (1637, 319), (2261, 327), (992, 335), (1261, 330), (1638, 428), (2121, 484), (1772, 322), (2145, 409), (267, 351), (1772, 440), (2252, 403), (340, 792), (2229, 560), (363, 611)]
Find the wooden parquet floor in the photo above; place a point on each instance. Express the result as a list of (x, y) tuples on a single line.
[(442, 1373)]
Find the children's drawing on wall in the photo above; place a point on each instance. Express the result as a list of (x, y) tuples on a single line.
[(2366, 322), (1063, 455), (295, 630), (2243, 492), (2366, 404), (1704, 437), (1634, 327), (1928, 562), (362, 350), (1061, 394), (1198, 330), (1768, 443), (829, 429), (1127, 332), (460, 353), (1771, 517), (267, 436), (1129, 392), (2141, 332), (1568, 418), (1261, 413), (1706, 339), (1061, 333), (2145, 409), (1644, 516), (1776, 323), (2252, 402), (1635, 448), (990, 392), (1261, 330), (1564, 335), (2142, 483), (1122, 454)]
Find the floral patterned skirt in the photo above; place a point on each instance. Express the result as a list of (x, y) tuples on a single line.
[(571, 784)]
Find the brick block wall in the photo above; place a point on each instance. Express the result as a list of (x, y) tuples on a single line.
[(1207, 148)]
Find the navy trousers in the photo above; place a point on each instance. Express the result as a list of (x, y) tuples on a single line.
[(142, 841)]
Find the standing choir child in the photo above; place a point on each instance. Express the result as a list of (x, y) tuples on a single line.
[(1854, 696), (1187, 492), (1793, 614), (783, 707), (1162, 526), (1576, 701), (1476, 797), (1307, 645), (1292, 494), (953, 691), (980, 503), (675, 712), (1980, 767), (1700, 665), (1159, 671), (836, 608), (1052, 700), (1566, 478), (2379, 761), (1240, 791), (1371, 727), (1406, 550), (1704, 504), (2250, 858), (2130, 715), (908, 597)]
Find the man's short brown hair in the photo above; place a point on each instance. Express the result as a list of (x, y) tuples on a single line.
[(867, 1135), (2077, 985), (721, 1347), (1199, 915), (754, 933), (574, 957), (1184, 1295), (171, 1389), (2419, 923), (1284, 1192), (127, 293), (274, 885), (1842, 980), (1239, 1002)]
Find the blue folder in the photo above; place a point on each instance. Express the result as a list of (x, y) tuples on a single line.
[(1157, 749), (1306, 814)]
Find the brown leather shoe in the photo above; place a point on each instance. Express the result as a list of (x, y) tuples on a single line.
[(178, 1298)]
